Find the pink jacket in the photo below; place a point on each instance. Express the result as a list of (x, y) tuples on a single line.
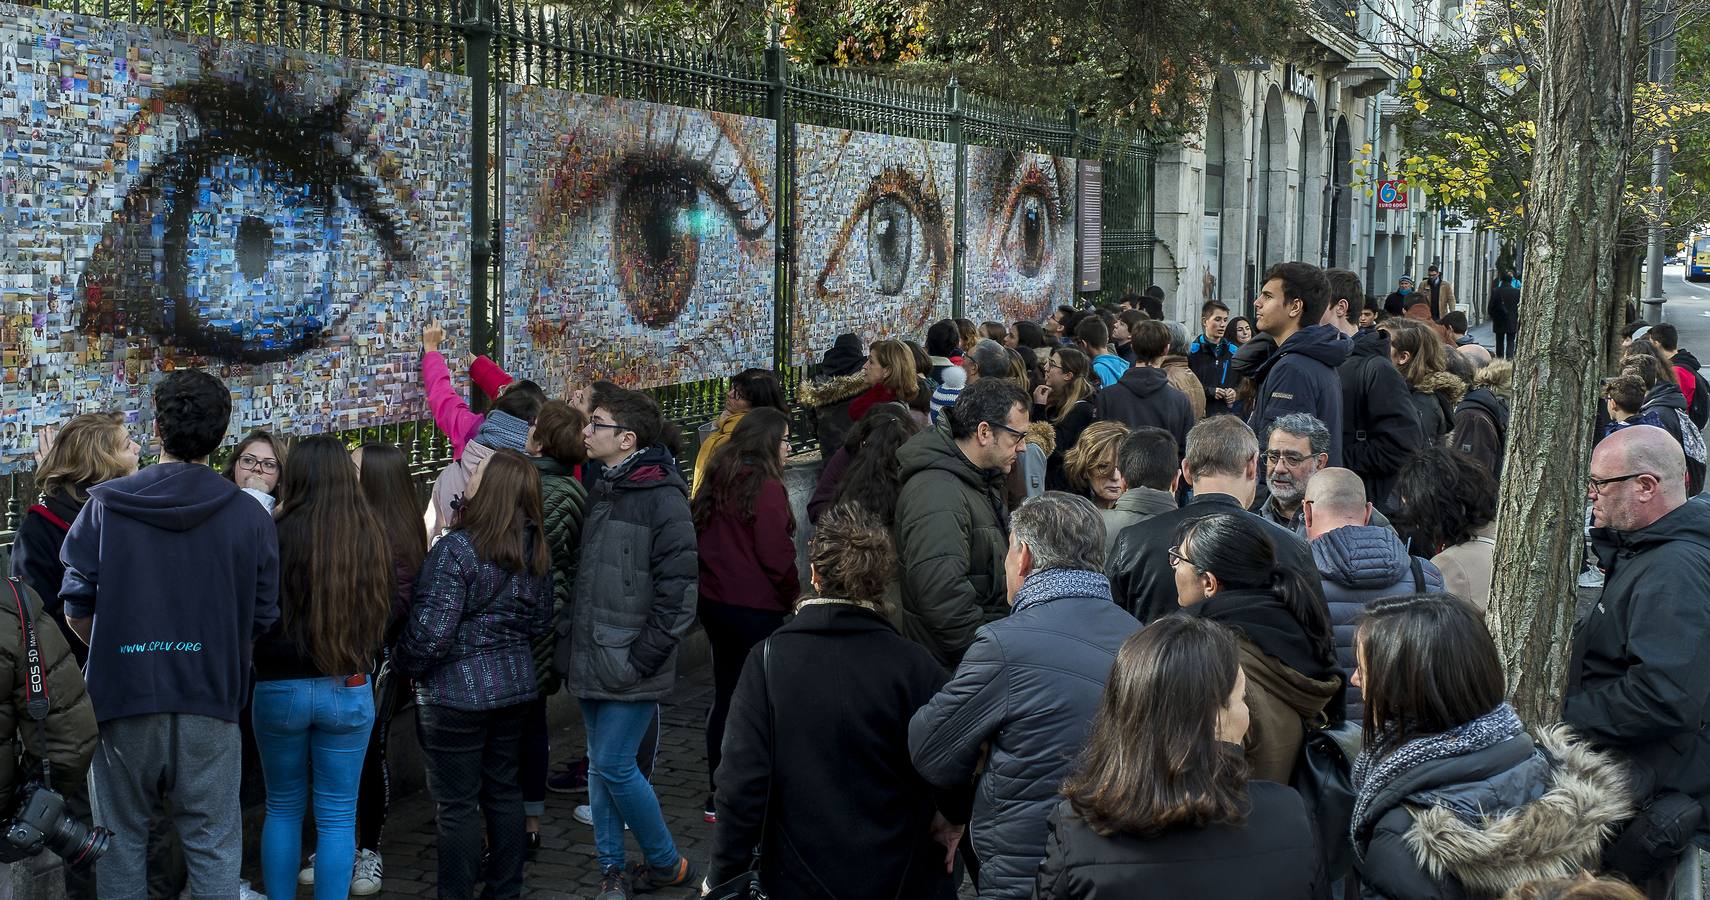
[(451, 413)]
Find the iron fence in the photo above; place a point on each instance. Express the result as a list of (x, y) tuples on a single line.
[(500, 42)]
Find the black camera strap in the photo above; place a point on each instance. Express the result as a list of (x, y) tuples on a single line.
[(36, 704)]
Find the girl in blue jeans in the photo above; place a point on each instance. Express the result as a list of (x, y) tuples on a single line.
[(313, 706)]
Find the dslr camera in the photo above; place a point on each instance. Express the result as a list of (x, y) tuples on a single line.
[(41, 822)]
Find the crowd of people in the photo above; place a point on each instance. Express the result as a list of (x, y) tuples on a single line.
[(1091, 608)]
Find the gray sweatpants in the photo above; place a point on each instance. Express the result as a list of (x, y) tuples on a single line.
[(194, 760)]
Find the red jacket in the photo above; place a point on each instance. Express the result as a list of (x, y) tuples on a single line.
[(751, 564)]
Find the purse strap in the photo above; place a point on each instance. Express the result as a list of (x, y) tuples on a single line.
[(771, 747)]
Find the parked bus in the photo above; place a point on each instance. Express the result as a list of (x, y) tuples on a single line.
[(1698, 256)]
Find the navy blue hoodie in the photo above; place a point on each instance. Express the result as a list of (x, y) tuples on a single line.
[(1301, 377), (181, 571)]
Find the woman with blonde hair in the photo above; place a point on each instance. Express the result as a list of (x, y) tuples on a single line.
[(891, 378), (86, 451), (1091, 466), (1417, 352)]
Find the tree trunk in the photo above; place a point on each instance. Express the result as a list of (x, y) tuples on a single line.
[(1568, 306)]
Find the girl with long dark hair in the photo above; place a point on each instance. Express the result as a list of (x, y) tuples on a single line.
[(1440, 742), (874, 479), (1226, 570), (1161, 804), (484, 594), (1448, 515), (313, 706), (746, 536), (1066, 401), (384, 473)]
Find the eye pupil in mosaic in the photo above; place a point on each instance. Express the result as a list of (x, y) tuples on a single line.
[(890, 244), (659, 226), (254, 246)]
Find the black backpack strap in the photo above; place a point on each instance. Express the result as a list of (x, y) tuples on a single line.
[(1418, 575)]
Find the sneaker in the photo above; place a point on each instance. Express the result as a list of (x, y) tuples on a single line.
[(709, 813), (307, 875), (365, 877), (245, 892), (1591, 578), (585, 814), (646, 878), (572, 778), (613, 885)]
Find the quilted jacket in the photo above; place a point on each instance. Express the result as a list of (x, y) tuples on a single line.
[(564, 499)]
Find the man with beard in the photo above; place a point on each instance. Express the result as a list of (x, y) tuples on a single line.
[(1297, 450)]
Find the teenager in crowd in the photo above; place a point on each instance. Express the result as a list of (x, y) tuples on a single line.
[(867, 463), (749, 389), (1161, 804), (1226, 570), (1440, 741), (255, 464), (1066, 400), (504, 428), (485, 592), (384, 473), (451, 412), (745, 537), (314, 705), (1240, 330)]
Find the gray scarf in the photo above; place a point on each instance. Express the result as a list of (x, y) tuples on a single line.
[(1373, 773), (503, 431), (1053, 584)]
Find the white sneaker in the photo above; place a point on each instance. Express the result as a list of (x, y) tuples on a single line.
[(365, 878), (245, 892), (307, 874), (585, 814)]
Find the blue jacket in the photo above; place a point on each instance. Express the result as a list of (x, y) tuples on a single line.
[(469, 631), (1209, 361), (181, 571), (1358, 564), (1301, 377), (1028, 686), (1109, 367)]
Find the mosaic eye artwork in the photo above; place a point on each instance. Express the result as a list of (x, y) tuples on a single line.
[(286, 220), (875, 217), (642, 245), (1020, 224)]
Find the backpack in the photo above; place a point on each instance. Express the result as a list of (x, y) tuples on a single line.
[(1699, 409), (1324, 777)]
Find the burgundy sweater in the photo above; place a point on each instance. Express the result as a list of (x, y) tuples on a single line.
[(751, 564)]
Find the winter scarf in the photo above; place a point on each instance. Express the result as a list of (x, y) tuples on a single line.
[(1372, 772), (503, 431), (1055, 584)]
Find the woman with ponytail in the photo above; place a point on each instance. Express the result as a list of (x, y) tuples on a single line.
[(1226, 570)]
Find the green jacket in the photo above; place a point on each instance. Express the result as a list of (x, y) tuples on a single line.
[(69, 729), (564, 499), (952, 531)]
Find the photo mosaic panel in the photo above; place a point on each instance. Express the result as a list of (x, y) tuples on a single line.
[(875, 216), (640, 247), (1020, 262), (287, 220)]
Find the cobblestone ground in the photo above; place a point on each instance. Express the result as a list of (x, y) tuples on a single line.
[(564, 869)]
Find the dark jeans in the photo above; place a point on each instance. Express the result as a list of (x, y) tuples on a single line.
[(471, 771), (374, 792), (533, 757), (732, 631), (1505, 343)]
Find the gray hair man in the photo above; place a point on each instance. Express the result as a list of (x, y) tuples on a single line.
[(1642, 655), (988, 359), (1027, 689), (1298, 448), (1221, 465)]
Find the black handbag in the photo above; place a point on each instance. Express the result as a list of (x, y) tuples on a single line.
[(747, 885), (1655, 838), (1323, 776)]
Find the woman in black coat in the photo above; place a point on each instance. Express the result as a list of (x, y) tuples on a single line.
[(849, 817), (1160, 806)]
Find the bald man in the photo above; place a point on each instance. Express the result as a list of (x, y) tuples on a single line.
[(1640, 682), (1358, 562)]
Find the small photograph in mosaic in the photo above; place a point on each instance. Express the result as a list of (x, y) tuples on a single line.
[(640, 244), (875, 218), (1020, 262), (287, 220)]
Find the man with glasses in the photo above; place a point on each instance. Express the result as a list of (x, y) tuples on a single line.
[(1639, 682), (633, 602), (1297, 452), (1222, 467), (952, 521)]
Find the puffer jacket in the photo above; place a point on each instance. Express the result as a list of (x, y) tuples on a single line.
[(467, 636), (1481, 824), (1358, 564), (1434, 399), (635, 590), (1028, 687), (68, 734), (828, 402), (952, 533), (563, 501)]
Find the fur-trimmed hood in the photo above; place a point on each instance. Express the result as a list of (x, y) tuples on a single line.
[(1498, 376), (830, 391), (1585, 794), (1042, 435), (1447, 384)]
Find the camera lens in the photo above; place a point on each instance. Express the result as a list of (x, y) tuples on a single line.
[(78, 844)]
